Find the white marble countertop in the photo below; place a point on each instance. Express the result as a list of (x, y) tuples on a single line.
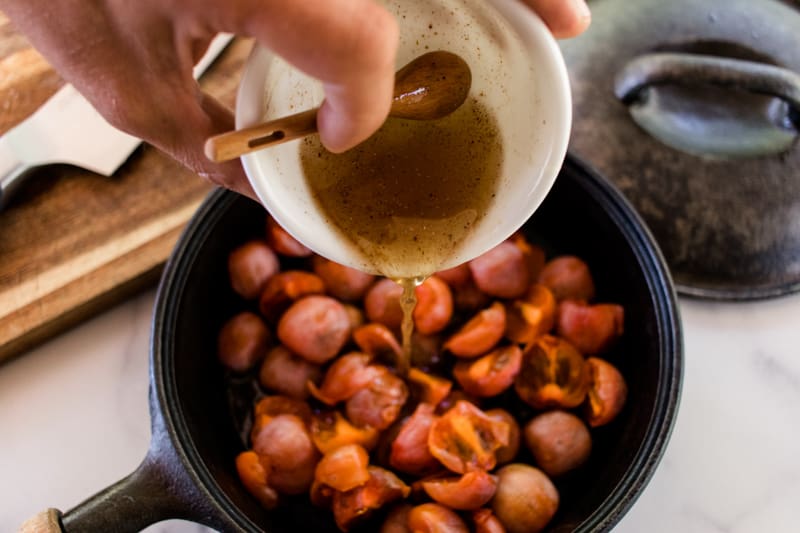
[(74, 419)]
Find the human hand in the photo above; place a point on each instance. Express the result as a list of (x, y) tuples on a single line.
[(133, 61)]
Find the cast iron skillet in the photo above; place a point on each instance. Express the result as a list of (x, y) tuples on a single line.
[(189, 470)]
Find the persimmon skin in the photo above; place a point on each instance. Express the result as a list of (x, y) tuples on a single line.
[(507, 453), (569, 278), (592, 329), (378, 341), (491, 374), (430, 389), (435, 518), (382, 304), (274, 405), (456, 277), (607, 393), (250, 266), (243, 341), (330, 430), (466, 438), (486, 522), (409, 450), (559, 441), (534, 255), (553, 374), (434, 307), (397, 520), (525, 499), (531, 316), (254, 476), (342, 282), (283, 242), (285, 288), (343, 468), (286, 443), (378, 404), (381, 488), (501, 272), (480, 334), (470, 299), (347, 375), (315, 328), (284, 373), (468, 492)]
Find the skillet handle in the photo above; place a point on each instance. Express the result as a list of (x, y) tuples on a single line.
[(145, 497), (149, 495)]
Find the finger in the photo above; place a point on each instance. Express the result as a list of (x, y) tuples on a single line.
[(203, 116), (230, 174), (565, 18), (349, 45)]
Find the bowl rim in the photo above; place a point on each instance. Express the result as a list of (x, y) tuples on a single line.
[(536, 38)]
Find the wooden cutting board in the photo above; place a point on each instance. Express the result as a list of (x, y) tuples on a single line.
[(72, 242)]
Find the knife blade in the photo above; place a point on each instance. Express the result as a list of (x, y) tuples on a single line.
[(67, 129)]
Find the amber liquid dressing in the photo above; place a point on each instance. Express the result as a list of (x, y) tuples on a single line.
[(408, 300), (409, 196)]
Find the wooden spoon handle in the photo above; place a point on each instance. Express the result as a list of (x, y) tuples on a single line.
[(48, 521), (233, 144)]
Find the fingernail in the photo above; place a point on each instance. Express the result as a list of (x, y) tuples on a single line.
[(582, 9)]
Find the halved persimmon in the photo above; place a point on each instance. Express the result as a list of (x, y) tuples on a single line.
[(284, 243), (553, 374), (254, 473), (466, 438), (285, 288), (607, 392), (378, 341), (506, 454), (568, 277), (467, 492), (409, 450), (430, 389), (346, 376), (434, 307), (491, 374), (592, 329), (534, 255), (276, 404), (502, 271), (486, 522), (531, 316), (343, 468), (342, 282), (330, 430), (435, 518), (378, 404), (357, 504), (480, 334)]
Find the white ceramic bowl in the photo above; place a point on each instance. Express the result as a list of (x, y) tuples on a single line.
[(518, 73)]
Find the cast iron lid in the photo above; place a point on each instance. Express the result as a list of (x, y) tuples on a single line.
[(692, 107)]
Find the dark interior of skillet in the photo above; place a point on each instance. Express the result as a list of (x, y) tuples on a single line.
[(576, 218)]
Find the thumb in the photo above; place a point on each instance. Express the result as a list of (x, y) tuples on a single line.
[(349, 45)]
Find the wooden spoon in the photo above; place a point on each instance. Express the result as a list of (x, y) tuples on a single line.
[(430, 87)]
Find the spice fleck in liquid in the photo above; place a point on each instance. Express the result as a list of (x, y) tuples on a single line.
[(409, 196)]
